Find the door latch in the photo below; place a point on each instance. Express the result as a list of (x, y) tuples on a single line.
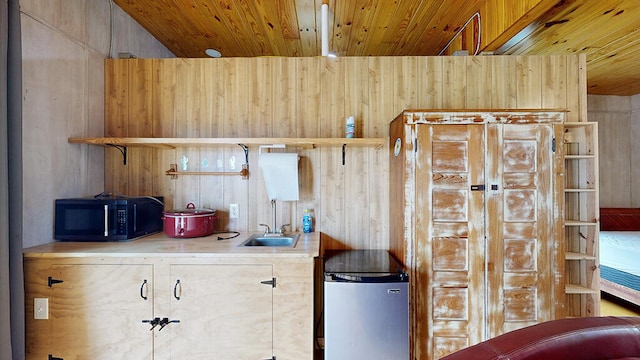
[(165, 321), (159, 322), (494, 187), (153, 322)]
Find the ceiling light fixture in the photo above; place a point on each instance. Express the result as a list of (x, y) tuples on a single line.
[(213, 53), (324, 11)]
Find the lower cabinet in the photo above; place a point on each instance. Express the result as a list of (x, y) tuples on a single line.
[(155, 308), (227, 307), (95, 311)]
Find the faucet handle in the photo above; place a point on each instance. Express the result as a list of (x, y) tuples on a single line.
[(281, 229), (268, 230)]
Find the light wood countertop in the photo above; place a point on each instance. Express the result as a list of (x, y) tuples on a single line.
[(160, 245)]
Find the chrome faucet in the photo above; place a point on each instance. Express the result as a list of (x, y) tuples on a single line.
[(280, 230), (267, 231), (273, 213)]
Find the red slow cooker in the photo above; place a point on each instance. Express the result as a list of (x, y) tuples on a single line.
[(189, 222)]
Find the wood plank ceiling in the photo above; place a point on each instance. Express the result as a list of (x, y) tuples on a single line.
[(608, 31)]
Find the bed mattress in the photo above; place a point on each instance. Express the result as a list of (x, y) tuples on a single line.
[(620, 257)]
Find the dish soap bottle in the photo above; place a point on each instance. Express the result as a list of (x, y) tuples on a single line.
[(307, 221)]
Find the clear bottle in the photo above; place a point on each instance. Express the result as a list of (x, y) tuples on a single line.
[(307, 221)]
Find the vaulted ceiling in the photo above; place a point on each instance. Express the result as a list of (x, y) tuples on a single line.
[(607, 31)]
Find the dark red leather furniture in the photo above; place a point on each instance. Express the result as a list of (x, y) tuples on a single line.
[(592, 338)]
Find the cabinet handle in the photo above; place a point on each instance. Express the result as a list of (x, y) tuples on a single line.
[(175, 289), (51, 357), (144, 289)]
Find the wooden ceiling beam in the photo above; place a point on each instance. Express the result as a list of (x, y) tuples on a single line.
[(502, 22)]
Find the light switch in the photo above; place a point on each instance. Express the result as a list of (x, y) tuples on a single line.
[(41, 308)]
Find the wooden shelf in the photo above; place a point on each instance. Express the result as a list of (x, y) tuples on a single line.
[(579, 190), (579, 223), (575, 124), (172, 143), (577, 289), (579, 157), (578, 256), (582, 278)]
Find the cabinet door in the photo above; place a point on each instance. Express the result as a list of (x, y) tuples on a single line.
[(520, 226), (485, 228), (96, 312), (449, 248), (225, 312)]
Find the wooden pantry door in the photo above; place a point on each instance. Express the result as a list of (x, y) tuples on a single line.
[(520, 226), (449, 251)]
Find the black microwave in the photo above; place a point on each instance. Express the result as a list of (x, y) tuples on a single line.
[(107, 217)]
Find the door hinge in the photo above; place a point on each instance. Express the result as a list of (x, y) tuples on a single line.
[(271, 282), (553, 145), (51, 281)]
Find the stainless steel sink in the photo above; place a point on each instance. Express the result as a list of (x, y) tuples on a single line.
[(262, 240)]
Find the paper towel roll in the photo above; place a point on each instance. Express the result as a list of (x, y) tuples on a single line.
[(280, 171)]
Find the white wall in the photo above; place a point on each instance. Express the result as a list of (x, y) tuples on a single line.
[(618, 120), (64, 43)]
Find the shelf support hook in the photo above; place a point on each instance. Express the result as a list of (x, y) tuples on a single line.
[(246, 153), (123, 151), (245, 167), (344, 146)]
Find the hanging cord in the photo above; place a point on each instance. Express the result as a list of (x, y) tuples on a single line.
[(477, 14), (111, 29), (235, 234), (318, 328), (320, 317)]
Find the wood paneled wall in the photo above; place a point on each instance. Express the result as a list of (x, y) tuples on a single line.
[(64, 44), (618, 120), (306, 97)]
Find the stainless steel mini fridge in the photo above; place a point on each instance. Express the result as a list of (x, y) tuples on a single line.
[(366, 306)]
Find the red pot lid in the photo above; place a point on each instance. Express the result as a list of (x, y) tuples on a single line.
[(190, 210)]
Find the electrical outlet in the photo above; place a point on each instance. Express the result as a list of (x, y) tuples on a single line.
[(234, 211), (41, 308)]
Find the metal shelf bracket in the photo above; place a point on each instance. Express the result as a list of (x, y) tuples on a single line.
[(123, 151)]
